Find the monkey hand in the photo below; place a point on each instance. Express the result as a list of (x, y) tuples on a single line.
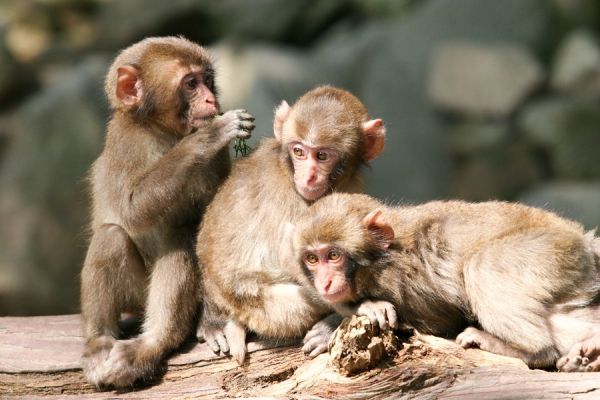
[(381, 312), (234, 124), (316, 340), (583, 357)]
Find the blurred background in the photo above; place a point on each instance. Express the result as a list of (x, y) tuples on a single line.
[(483, 99)]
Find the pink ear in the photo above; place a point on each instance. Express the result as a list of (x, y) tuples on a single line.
[(281, 114), (374, 138), (382, 231), (129, 88)]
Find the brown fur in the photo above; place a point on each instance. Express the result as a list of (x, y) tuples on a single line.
[(516, 273), (158, 171), (243, 244)]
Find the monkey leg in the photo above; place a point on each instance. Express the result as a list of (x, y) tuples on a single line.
[(170, 310), (472, 337), (509, 283), (583, 357), (112, 281)]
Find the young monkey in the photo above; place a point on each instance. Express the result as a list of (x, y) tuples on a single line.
[(164, 157), (517, 280), (244, 246)]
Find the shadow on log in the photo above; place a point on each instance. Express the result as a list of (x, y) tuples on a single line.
[(39, 357)]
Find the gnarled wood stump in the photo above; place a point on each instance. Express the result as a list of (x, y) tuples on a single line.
[(39, 357)]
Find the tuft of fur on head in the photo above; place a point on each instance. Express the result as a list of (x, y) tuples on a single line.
[(336, 220), (328, 115)]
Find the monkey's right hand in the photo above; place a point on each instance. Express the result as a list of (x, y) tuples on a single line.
[(316, 340), (235, 124), (379, 311)]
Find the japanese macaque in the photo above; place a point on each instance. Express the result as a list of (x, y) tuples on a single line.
[(164, 157), (516, 280), (244, 245)]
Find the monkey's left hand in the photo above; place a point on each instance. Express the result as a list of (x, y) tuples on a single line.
[(316, 340), (379, 311)]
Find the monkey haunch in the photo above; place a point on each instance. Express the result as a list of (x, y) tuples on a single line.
[(528, 279), (164, 156), (244, 247)]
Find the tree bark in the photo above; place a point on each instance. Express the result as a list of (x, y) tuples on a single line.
[(39, 357)]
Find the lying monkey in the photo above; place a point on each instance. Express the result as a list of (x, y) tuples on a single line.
[(516, 280)]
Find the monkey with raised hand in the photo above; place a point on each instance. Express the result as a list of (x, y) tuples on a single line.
[(506, 278), (164, 157), (244, 244)]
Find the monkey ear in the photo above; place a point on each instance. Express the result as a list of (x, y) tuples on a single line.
[(129, 85), (374, 138), (381, 230), (281, 114)]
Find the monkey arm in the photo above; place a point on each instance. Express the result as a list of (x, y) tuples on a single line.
[(187, 172)]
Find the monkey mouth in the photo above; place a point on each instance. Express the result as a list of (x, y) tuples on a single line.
[(312, 193), (337, 297)]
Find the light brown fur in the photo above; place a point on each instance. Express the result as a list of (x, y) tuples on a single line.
[(163, 159), (244, 242), (525, 279)]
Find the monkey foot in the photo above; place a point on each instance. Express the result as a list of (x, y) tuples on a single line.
[(126, 362), (583, 357)]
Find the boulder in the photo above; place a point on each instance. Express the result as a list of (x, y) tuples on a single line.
[(44, 206), (569, 128), (576, 67), (476, 79)]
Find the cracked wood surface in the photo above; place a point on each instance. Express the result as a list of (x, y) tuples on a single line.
[(39, 357)]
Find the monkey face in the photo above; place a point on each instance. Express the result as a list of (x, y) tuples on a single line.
[(327, 267), (313, 167)]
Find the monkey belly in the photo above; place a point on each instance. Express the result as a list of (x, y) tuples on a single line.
[(286, 311)]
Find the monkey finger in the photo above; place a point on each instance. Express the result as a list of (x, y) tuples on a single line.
[(212, 343), (392, 317), (593, 366), (246, 117), (322, 348), (310, 335), (222, 342), (369, 313), (313, 343), (246, 125), (381, 318), (242, 134)]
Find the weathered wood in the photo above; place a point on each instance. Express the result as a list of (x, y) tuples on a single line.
[(39, 357)]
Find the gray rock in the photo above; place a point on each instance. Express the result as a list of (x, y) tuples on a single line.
[(43, 207), (501, 172), (576, 200), (478, 79), (542, 121), (386, 66), (577, 64), (473, 137), (569, 128)]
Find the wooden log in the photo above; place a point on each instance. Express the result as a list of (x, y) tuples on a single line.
[(39, 357)]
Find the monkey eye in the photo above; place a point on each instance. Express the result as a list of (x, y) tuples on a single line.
[(311, 258), (322, 156), (190, 82), (298, 151), (334, 255)]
